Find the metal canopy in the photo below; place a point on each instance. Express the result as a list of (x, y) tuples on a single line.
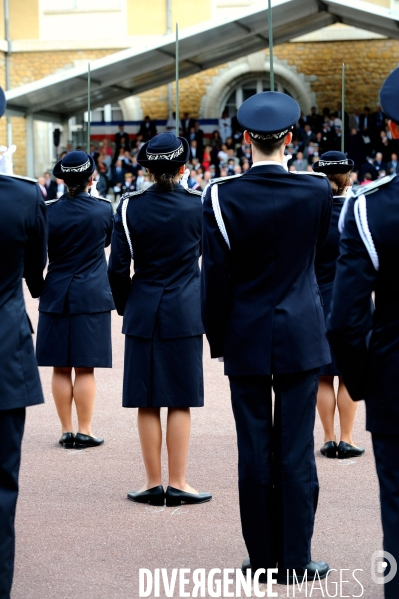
[(201, 47)]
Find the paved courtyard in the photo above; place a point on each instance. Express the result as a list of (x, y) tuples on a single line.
[(78, 535)]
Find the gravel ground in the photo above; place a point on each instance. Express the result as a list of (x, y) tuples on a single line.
[(78, 535)]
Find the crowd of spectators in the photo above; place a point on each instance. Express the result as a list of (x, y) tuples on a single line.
[(368, 143)]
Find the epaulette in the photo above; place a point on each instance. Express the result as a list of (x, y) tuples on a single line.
[(224, 179), (372, 187), (49, 202), (29, 179), (196, 192), (308, 173), (101, 198), (130, 194)]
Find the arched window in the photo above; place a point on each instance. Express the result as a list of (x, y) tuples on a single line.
[(248, 87)]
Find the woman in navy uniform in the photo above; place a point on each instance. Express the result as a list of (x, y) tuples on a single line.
[(161, 228), (23, 254), (367, 348), (74, 330), (337, 167)]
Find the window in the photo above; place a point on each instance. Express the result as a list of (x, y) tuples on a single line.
[(249, 88), (80, 5)]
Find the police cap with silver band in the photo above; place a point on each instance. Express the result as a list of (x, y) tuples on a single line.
[(268, 116), (389, 96), (162, 150), (333, 162), (76, 163)]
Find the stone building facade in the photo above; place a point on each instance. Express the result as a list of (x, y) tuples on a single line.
[(308, 68)]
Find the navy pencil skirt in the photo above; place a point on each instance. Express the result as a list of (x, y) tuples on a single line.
[(163, 372), (77, 340)]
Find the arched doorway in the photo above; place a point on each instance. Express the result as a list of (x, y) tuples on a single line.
[(248, 75)]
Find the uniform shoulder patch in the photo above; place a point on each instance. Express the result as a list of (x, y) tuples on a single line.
[(49, 202), (372, 187), (130, 194), (224, 179), (29, 179), (308, 173), (195, 192)]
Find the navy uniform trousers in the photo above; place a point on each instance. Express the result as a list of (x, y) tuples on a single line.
[(276, 463), (11, 431)]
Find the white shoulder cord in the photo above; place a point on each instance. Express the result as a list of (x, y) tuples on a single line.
[(184, 179), (344, 209), (218, 214), (360, 210), (124, 221)]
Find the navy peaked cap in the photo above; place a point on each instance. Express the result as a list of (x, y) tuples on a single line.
[(389, 94), (2, 102), (164, 148), (268, 113), (333, 162), (76, 163)]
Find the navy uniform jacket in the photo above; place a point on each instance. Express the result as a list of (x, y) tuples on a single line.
[(79, 229), (370, 365), (260, 302), (23, 254), (165, 233)]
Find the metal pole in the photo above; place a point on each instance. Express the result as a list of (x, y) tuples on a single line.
[(177, 81), (88, 109), (270, 21), (168, 31), (7, 64), (343, 110)]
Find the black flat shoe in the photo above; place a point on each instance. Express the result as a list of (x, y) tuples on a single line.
[(154, 496), (83, 441), (67, 440), (346, 450), (177, 497), (329, 449), (246, 565), (311, 570)]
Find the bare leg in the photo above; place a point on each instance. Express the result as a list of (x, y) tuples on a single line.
[(326, 406), (150, 433), (347, 412), (177, 439), (84, 393), (61, 386)]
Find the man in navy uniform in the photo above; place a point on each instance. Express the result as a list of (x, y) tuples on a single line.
[(369, 257), (23, 254), (262, 313)]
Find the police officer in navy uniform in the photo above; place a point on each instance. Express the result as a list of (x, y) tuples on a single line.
[(262, 313), (160, 228), (368, 261), (74, 330), (23, 254)]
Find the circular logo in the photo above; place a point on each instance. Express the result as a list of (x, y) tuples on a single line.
[(383, 567)]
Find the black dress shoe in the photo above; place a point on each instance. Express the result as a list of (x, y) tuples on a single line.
[(67, 440), (246, 565), (154, 496), (311, 570), (346, 450), (177, 497), (329, 449), (83, 441)]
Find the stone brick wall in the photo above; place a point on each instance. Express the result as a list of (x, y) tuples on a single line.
[(367, 63), (30, 66)]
